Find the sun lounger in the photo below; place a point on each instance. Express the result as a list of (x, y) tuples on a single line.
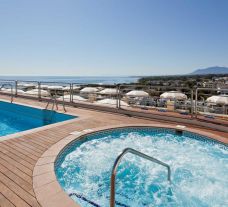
[(160, 109), (209, 116), (183, 112)]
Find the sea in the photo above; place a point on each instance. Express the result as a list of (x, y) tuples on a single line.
[(102, 80)]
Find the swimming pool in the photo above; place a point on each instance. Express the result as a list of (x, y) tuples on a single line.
[(16, 118), (199, 169)]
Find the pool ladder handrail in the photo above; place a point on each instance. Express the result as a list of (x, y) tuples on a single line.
[(11, 92), (117, 162), (55, 103)]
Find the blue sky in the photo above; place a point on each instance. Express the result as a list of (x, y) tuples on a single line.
[(112, 37)]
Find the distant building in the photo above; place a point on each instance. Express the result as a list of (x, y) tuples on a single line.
[(165, 84), (209, 84), (155, 82)]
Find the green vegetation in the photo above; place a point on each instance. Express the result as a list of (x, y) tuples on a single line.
[(189, 81)]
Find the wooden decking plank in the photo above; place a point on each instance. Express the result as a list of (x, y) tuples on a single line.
[(46, 138), (16, 164), (26, 149), (37, 142), (18, 159), (4, 202), (12, 197), (19, 151), (34, 138), (61, 132), (32, 141), (28, 198), (50, 139), (19, 154), (53, 135), (68, 128), (24, 184), (45, 142), (16, 171), (3, 169), (39, 137), (21, 142), (71, 126), (29, 146)]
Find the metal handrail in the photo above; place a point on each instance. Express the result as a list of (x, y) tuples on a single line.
[(55, 102), (11, 86), (117, 162)]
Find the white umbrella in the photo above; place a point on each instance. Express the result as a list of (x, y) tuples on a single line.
[(109, 91), (35, 92), (43, 86), (137, 93), (89, 90), (18, 91), (8, 90), (77, 98), (173, 95), (111, 102), (27, 84), (222, 99), (55, 87), (67, 88)]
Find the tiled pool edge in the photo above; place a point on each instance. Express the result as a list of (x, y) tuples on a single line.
[(46, 187)]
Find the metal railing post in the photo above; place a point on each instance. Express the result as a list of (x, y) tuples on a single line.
[(196, 100), (39, 91), (117, 96), (71, 92), (16, 82), (192, 107), (11, 93)]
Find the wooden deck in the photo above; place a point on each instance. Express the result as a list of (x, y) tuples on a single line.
[(18, 156)]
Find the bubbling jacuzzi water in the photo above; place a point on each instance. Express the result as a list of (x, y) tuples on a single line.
[(199, 169)]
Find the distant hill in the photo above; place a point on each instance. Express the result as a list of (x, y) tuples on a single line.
[(211, 70)]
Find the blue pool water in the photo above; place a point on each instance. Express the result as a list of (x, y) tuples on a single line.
[(199, 169), (16, 118)]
